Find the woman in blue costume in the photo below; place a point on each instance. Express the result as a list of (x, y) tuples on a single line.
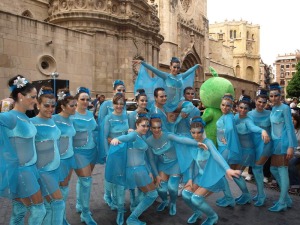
[(133, 167), (106, 107), (115, 125), (19, 175), (228, 145), (65, 108), (85, 153), (141, 101), (206, 172), (162, 156), (246, 132), (261, 118), (48, 157), (174, 82), (284, 142)]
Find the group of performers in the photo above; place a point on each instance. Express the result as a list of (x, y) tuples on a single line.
[(148, 151)]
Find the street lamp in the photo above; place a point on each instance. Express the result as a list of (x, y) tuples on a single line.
[(54, 75)]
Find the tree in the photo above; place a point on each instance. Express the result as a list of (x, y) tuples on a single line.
[(293, 89)]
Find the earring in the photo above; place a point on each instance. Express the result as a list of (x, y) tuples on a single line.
[(21, 100)]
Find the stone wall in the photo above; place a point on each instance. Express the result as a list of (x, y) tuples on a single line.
[(25, 43)]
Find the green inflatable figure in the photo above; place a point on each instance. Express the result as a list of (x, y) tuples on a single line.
[(211, 93)]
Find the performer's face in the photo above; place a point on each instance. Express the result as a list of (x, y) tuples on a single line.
[(155, 128), (161, 98), (29, 100), (143, 127), (142, 102), (83, 101), (171, 116), (274, 97), (189, 95), (197, 133), (70, 108), (120, 89), (243, 109), (46, 107), (175, 68), (118, 108), (260, 103), (226, 106)]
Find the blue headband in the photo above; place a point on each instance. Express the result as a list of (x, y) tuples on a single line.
[(199, 120), (228, 96), (45, 92), (155, 116), (262, 92), (275, 86), (175, 60), (83, 90), (117, 83)]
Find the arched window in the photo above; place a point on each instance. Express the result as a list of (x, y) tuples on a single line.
[(231, 36), (234, 34), (238, 71), (252, 36), (27, 13), (247, 34)]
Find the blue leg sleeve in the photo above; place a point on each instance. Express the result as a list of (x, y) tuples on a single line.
[(133, 199), (245, 197), (107, 193), (199, 202), (119, 198), (65, 193), (84, 196), (58, 209), (37, 214), (173, 192), (48, 216), (283, 177), (227, 200), (141, 207), (162, 191), (186, 196), (18, 213), (78, 203), (259, 178)]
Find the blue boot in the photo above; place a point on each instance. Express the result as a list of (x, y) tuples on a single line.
[(275, 173), (58, 210), (133, 200), (284, 183), (48, 216), (37, 214), (173, 192), (141, 207), (162, 191), (84, 197), (18, 213), (107, 193), (199, 202), (227, 200), (65, 193), (119, 198), (245, 197), (186, 195), (259, 178), (78, 203)]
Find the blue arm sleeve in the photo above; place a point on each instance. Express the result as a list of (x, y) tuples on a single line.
[(103, 111), (189, 71), (157, 72), (182, 140), (152, 161), (252, 127), (289, 127), (127, 137), (132, 119), (8, 120), (106, 128), (217, 156)]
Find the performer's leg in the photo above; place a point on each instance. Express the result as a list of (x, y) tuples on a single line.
[(173, 192), (245, 197), (18, 213), (187, 195), (227, 200), (37, 214), (163, 194), (259, 178)]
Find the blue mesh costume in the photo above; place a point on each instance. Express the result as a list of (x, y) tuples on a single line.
[(48, 157), (85, 150), (174, 85), (67, 160)]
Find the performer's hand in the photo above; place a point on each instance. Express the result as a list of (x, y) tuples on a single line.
[(136, 61), (109, 140), (233, 173), (157, 181), (202, 145), (223, 140), (151, 176), (290, 153), (184, 115), (115, 141), (130, 130), (265, 136)]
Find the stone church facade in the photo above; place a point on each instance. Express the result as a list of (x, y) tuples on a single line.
[(93, 42)]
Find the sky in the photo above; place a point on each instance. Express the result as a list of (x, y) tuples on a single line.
[(279, 27)]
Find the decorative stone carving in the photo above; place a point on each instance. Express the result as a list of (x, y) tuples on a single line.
[(185, 4), (109, 6), (91, 4), (173, 4), (71, 4), (122, 7), (63, 5), (80, 4)]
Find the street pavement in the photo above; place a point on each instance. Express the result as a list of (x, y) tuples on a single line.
[(239, 215)]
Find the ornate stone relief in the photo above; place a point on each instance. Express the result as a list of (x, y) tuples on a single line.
[(185, 4)]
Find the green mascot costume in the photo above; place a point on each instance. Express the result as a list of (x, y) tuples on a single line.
[(211, 93)]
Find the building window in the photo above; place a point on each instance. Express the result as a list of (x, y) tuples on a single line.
[(282, 82), (282, 75), (220, 36), (247, 34), (293, 73), (231, 35), (27, 13), (287, 73), (293, 65), (234, 33), (282, 66), (252, 36), (287, 66)]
